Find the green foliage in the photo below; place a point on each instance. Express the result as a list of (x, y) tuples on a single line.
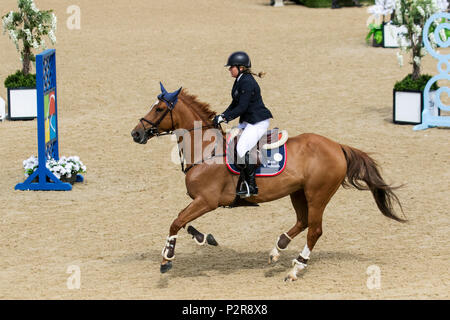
[(446, 31), (19, 80), (327, 3), (377, 32), (418, 85)]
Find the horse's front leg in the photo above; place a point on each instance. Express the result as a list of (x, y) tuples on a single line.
[(195, 209)]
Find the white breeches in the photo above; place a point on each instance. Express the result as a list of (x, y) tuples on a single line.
[(251, 135)]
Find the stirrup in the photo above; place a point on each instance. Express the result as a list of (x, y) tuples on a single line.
[(244, 191)]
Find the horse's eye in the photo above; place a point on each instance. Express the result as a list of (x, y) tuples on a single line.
[(159, 109)]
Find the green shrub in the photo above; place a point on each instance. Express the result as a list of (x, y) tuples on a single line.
[(18, 80), (327, 3), (419, 85), (375, 31)]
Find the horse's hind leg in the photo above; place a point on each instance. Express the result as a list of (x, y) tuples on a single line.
[(314, 233), (300, 204), (317, 202)]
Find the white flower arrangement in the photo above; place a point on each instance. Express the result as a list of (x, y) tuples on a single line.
[(29, 26), (382, 8), (399, 59), (412, 15), (64, 167)]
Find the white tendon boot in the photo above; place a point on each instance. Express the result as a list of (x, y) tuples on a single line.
[(298, 264), (169, 247), (275, 253)]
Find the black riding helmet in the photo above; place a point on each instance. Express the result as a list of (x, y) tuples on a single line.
[(239, 58)]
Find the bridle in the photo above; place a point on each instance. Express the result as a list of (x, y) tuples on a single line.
[(154, 131)]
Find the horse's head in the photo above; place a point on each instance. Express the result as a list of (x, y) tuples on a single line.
[(159, 120)]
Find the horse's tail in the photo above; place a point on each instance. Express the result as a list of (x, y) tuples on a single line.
[(362, 168)]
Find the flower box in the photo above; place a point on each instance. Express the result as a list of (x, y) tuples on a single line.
[(276, 3), (66, 169), (72, 179), (2, 109), (22, 104), (391, 35), (408, 106), (327, 3)]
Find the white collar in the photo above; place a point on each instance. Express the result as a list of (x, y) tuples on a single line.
[(239, 77)]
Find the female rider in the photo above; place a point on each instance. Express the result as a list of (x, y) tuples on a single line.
[(254, 116)]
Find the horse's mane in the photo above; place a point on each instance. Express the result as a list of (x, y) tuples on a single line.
[(201, 108)]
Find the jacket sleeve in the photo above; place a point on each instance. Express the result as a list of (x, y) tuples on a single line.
[(245, 93), (228, 110)]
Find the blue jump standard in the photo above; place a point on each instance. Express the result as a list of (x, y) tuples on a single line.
[(44, 184), (47, 127)]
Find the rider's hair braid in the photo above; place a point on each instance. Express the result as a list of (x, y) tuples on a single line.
[(259, 74)]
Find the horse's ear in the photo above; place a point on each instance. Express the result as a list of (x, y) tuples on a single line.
[(176, 93), (163, 90), (172, 96)]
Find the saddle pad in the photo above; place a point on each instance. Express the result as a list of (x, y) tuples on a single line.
[(273, 162)]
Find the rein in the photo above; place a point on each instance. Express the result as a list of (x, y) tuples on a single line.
[(154, 130), (199, 162), (181, 154)]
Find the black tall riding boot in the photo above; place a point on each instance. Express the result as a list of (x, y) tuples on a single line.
[(248, 174)]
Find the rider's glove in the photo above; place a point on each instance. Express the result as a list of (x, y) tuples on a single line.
[(218, 119)]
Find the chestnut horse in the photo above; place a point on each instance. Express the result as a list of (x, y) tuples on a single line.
[(315, 169)]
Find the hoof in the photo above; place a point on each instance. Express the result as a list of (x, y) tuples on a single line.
[(166, 267), (211, 241), (290, 279), (273, 259), (274, 256)]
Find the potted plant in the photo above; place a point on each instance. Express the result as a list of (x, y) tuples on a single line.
[(376, 33), (65, 169), (378, 28), (328, 3), (27, 29), (408, 93)]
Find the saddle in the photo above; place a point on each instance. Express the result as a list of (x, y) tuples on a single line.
[(269, 152)]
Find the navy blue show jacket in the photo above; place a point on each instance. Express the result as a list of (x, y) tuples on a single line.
[(247, 102)]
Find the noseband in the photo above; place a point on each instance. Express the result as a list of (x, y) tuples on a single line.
[(154, 129)]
